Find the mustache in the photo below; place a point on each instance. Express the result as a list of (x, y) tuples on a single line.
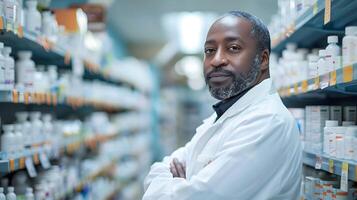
[(219, 70)]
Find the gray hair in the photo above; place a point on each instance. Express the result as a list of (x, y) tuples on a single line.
[(259, 31)]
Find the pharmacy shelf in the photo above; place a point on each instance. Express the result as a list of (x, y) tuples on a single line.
[(46, 52), (339, 83), (72, 145), (331, 165), (54, 100), (309, 29), (90, 178)]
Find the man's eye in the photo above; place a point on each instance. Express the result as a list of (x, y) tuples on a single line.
[(209, 50), (235, 48)]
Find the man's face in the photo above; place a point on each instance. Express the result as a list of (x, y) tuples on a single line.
[(231, 62)]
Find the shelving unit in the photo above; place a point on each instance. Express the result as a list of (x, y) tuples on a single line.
[(339, 87), (86, 146), (46, 52), (331, 165), (73, 144), (311, 25)]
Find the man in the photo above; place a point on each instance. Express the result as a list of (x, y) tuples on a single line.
[(250, 148)]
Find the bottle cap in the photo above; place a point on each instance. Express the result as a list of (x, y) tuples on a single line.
[(332, 39)]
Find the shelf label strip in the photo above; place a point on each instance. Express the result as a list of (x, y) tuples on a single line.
[(344, 177), (347, 74), (327, 16)]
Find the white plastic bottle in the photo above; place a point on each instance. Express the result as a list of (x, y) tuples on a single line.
[(7, 139), (47, 24), (10, 193), (350, 137), (2, 68), (321, 63), (29, 194), (33, 17), (340, 141), (19, 138), (25, 69), (329, 136), (9, 69), (10, 13), (349, 46), (36, 127), (348, 123), (333, 53), (313, 68), (2, 195)]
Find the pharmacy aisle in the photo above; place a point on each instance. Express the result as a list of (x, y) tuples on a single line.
[(314, 67), (74, 126)]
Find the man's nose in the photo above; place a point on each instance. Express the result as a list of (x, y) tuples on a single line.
[(219, 59)]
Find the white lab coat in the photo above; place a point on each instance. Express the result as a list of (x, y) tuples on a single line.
[(252, 152)]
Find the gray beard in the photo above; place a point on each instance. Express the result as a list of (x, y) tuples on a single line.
[(240, 83)]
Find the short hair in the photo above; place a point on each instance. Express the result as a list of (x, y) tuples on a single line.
[(259, 31)]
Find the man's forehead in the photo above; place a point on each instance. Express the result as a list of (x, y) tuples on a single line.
[(231, 24)]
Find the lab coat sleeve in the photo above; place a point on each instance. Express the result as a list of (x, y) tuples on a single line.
[(162, 169), (242, 170)]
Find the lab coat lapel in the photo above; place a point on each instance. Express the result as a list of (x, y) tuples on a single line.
[(254, 95), (210, 127)]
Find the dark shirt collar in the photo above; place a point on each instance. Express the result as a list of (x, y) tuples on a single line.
[(222, 106)]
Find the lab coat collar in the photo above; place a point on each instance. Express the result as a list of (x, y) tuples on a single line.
[(253, 96)]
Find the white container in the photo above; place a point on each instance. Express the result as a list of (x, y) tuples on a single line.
[(19, 138), (10, 193), (47, 126), (329, 135), (2, 68), (9, 69), (8, 138), (348, 123), (22, 118), (33, 17), (10, 12), (29, 194), (333, 53), (36, 127), (349, 46), (314, 126), (2, 195), (350, 137), (321, 63), (340, 142), (313, 68), (336, 113), (25, 69), (47, 24), (349, 113)]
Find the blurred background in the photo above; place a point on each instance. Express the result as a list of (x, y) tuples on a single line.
[(92, 92)]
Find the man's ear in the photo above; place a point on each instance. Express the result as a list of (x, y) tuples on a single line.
[(264, 61)]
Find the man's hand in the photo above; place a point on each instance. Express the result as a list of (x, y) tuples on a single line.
[(178, 169)]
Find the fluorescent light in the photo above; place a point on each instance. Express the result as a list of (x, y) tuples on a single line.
[(188, 29), (192, 68)]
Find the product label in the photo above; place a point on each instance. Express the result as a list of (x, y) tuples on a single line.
[(327, 16), (30, 167), (333, 76), (317, 83), (330, 166), (347, 74), (315, 8), (344, 177), (45, 163), (318, 163)]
